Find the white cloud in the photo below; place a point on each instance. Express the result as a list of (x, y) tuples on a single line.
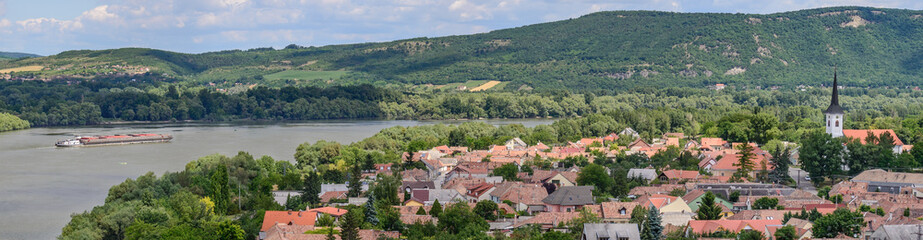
[(5, 23), (470, 11), (40, 25), (2, 7), (99, 14)]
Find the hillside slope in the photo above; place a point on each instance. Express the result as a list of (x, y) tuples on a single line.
[(15, 55), (606, 50)]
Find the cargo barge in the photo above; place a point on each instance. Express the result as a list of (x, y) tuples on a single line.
[(114, 140)]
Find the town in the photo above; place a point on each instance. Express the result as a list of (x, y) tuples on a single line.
[(707, 188)]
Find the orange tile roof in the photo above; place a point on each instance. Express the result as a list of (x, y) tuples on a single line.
[(708, 142), (710, 226), (272, 218), (327, 196), (336, 212), (861, 134), (681, 174), (611, 210), (728, 161)]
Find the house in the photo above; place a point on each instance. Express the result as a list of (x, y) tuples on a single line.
[(802, 227), (710, 226), (479, 192), (695, 197), (525, 197), (675, 176), (327, 197), (616, 212), (655, 200), (427, 197), (895, 232), (676, 213), (610, 231), (557, 178), (466, 171), (629, 132), (548, 220), (645, 173), (516, 143), (861, 134), (409, 219), (383, 168), (891, 182), (408, 186), (712, 144), (272, 218), (569, 199), (336, 213), (283, 232), (726, 165)]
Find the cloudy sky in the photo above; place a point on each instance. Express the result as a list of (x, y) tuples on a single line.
[(51, 26)]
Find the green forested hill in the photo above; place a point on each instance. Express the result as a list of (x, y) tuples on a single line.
[(16, 55), (606, 50)]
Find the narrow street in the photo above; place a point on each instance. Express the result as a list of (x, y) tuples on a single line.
[(799, 176)]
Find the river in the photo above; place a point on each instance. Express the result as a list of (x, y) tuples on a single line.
[(41, 185)]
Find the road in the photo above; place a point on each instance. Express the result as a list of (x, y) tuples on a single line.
[(798, 175)]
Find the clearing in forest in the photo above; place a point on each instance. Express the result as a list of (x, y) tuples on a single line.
[(485, 86)]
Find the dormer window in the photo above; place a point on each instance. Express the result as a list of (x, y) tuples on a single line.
[(622, 211)]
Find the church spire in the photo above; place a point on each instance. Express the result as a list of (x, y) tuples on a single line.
[(834, 99)]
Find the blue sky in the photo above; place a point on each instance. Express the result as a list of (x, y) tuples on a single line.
[(51, 26)]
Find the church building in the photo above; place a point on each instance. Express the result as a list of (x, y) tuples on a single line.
[(835, 118)]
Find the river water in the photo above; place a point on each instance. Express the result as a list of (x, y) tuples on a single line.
[(41, 185)]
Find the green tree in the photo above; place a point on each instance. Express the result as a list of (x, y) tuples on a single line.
[(321, 152), (349, 225), (638, 215), (596, 175), (389, 218), (486, 209), (766, 203), (734, 196), (575, 226), (840, 221), (325, 220), (744, 163), (436, 210), (786, 233), (218, 191), (421, 211), (708, 209), (652, 228), (371, 212), (781, 158), (355, 182), (821, 155), (330, 234), (507, 171), (312, 187), (458, 217), (457, 137), (230, 231), (750, 234)]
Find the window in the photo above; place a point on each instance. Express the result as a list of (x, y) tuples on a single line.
[(622, 211), (828, 123), (837, 123)]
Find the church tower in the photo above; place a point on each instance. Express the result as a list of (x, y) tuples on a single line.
[(834, 114)]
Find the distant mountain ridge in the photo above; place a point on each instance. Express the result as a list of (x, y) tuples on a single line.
[(607, 50), (17, 55)]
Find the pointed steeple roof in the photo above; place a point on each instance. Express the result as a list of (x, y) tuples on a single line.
[(835, 99)]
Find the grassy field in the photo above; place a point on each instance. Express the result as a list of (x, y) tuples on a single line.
[(22, 69), (305, 75), (485, 86)]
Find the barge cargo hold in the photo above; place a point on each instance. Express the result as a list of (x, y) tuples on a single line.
[(114, 140)]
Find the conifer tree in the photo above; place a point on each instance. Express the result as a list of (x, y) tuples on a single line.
[(744, 163), (349, 226), (436, 210), (708, 210)]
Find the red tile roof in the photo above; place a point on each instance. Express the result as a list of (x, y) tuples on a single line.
[(272, 218), (327, 196), (611, 210), (681, 174), (861, 134)]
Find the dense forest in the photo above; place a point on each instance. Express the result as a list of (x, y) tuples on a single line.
[(618, 50)]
